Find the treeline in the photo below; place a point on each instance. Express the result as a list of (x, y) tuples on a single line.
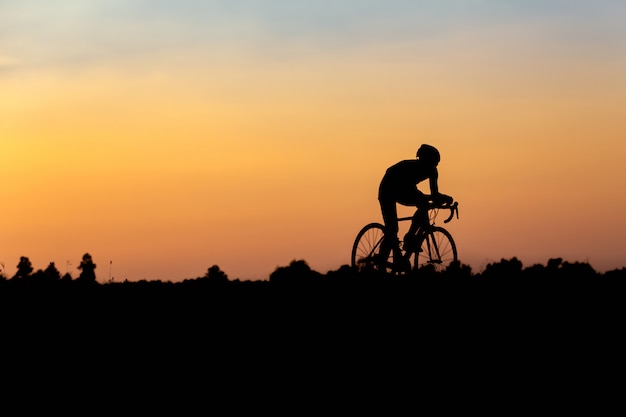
[(299, 272), (518, 327), (504, 303), (26, 273)]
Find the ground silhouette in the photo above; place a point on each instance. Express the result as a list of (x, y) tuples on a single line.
[(303, 337), (501, 291)]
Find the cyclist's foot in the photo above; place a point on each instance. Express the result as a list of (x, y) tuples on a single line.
[(403, 265), (379, 261), (410, 242)]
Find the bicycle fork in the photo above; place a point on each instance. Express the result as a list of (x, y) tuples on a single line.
[(433, 256)]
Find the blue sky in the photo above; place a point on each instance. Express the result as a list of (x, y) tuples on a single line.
[(53, 33)]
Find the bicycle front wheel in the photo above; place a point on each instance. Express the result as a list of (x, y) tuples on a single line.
[(367, 245), (437, 250)]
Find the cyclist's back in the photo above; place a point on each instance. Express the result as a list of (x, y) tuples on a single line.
[(400, 182)]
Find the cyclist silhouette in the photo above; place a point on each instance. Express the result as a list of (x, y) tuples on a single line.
[(399, 186)]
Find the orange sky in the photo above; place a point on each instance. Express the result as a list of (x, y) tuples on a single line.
[(166, 140)]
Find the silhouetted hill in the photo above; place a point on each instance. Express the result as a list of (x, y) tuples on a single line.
[(504, 291), (505, 279), (501, 326)]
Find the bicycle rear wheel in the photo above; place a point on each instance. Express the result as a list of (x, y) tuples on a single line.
[(367, 245), (438, 250)]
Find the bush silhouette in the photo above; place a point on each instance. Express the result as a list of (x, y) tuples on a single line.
[(87, 268)]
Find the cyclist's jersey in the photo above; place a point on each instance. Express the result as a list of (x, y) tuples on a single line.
[(400, 180)]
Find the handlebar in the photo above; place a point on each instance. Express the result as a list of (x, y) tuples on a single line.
[(454, 209)]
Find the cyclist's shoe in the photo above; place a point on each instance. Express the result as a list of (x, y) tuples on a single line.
[(403, 265), (410, 243), (379, 261)]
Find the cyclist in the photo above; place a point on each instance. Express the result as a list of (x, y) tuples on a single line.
[(399, 186)]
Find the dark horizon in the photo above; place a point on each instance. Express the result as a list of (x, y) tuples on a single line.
[(507, 267)]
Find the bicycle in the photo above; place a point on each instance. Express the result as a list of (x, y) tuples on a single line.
[(435, 246)]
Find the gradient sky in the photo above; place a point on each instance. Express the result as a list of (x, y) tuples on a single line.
[(164, 137)]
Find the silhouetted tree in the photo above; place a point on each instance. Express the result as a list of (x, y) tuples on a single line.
[(87, 268), (24, 268), (580, 270), (511, 268), (458, 270), (616, 274), (298, 272), (51, 273), (554, 263), (215, 274)]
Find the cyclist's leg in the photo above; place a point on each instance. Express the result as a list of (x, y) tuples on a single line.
[(390, 219), (420, 218)]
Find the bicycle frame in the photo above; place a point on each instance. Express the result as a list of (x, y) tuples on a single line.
[(428, 243), (454, 209), (435, 245)]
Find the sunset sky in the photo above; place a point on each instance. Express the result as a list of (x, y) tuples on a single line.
[(164, 137)]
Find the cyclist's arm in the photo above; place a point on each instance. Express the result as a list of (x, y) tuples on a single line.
[(435, 196), (440, 199), (434, 183)]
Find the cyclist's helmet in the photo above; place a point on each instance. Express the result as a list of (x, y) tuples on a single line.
[(428, 153)]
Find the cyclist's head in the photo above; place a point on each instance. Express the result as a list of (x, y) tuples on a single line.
[(428, 154)]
